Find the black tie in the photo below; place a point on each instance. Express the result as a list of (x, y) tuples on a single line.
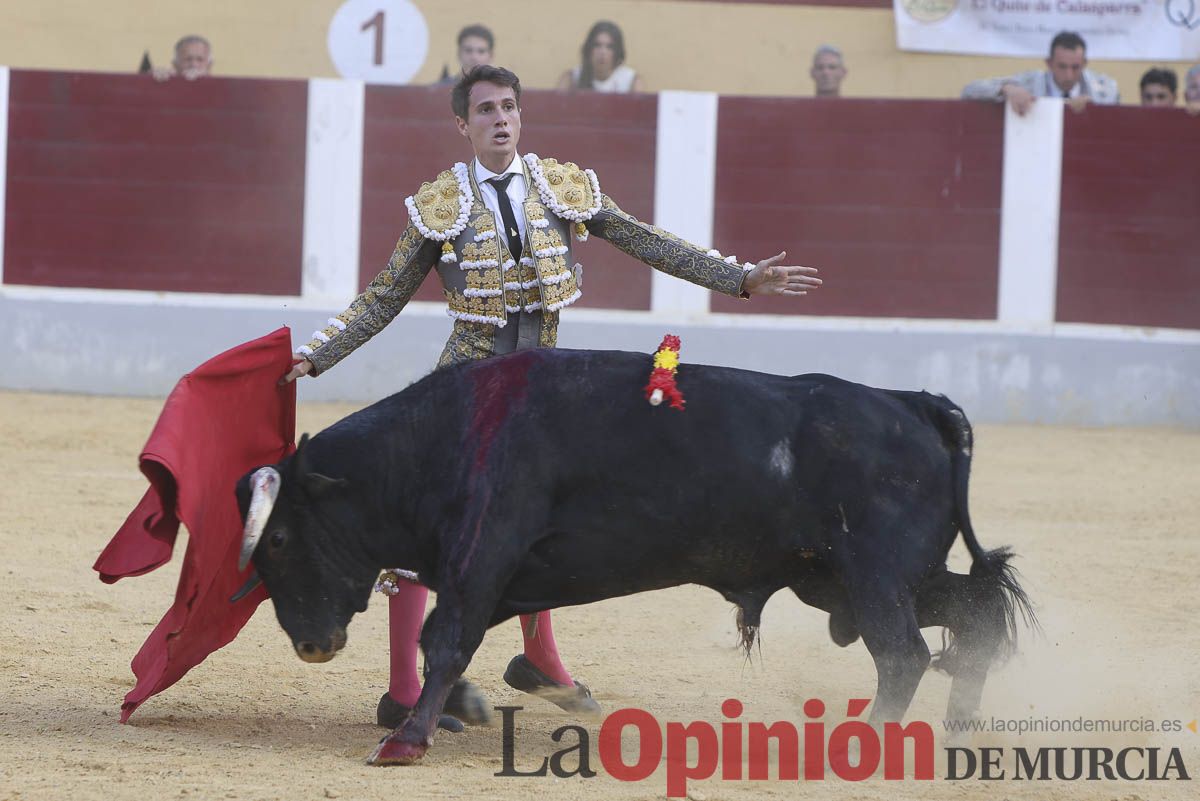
[(506, 214)]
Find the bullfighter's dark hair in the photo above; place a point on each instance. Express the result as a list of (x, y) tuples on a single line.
[(460, 96), (1068, 40)]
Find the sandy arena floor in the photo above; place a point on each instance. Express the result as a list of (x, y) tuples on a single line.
[(1104, 522)]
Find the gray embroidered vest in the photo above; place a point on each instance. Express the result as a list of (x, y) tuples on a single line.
[(482, 282)]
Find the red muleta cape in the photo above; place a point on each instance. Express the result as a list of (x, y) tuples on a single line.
[(222, 419)]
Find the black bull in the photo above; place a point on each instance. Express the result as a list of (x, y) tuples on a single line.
[(544, 479)]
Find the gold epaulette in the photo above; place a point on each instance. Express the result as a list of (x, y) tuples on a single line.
[(440, 209), (568, 190)]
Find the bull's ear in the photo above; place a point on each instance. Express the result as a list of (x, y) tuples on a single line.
[(317, 485), (297, 463), (298, 457)]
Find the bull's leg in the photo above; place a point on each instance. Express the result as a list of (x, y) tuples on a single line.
[(887, 620), (975, 621), (450, 638)]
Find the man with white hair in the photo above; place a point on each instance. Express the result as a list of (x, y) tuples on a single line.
[(193, 59), (1191, 94), (828, 71)]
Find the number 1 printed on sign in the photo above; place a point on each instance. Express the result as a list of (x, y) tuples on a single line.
[(376, 22), (378, 41)]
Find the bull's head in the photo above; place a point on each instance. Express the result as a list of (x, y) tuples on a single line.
[(298, 532)]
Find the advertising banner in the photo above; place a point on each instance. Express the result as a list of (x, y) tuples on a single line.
[(1138, 30)]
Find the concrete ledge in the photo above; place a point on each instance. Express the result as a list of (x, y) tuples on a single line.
[(141, 343)]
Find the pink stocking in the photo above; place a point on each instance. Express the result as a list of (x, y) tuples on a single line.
[(406, 613), (541, 650)]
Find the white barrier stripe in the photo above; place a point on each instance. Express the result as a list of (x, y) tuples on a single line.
[(1029, 213), (685, 177), (333, 189)]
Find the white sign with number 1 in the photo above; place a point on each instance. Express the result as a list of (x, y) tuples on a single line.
[(378, 41)]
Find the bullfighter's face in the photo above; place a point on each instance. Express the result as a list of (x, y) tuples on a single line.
[(493, 124), (315, 589)]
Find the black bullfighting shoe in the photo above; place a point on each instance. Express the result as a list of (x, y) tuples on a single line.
[(391, 713), (465, 704), (524, 676)]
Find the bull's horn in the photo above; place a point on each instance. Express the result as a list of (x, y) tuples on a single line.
[(247, 588), (264, 489)]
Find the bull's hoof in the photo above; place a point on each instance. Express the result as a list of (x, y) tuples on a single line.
[(842, 629), (391, 713), (395, 752), (524, 676), (467, 703)]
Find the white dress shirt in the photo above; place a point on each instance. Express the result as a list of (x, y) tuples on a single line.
[(517, 191), (1052, 89)]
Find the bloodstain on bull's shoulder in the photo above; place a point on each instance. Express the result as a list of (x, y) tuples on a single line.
[(499, 388)]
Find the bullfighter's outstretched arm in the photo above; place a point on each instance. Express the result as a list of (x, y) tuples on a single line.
[(677, 257), (379, 303)]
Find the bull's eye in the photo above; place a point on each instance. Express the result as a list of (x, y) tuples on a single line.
[(278, 537)]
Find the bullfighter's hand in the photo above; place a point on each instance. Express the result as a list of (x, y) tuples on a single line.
[(772, 278), (301, 366)]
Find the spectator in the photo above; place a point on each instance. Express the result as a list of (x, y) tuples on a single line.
[(828, 71), (602, 65), (1159, 87), (1191, 95), (193, 59), (1067, 77), (475, 46)]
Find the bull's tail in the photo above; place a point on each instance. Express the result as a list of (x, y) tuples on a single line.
[(997, 598)]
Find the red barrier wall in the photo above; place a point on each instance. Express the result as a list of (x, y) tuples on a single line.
[(115, 181), (409, 136), (1129, 235), (897, 202), (118, 182)]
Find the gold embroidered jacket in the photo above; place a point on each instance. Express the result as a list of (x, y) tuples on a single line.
[(450, 226)]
